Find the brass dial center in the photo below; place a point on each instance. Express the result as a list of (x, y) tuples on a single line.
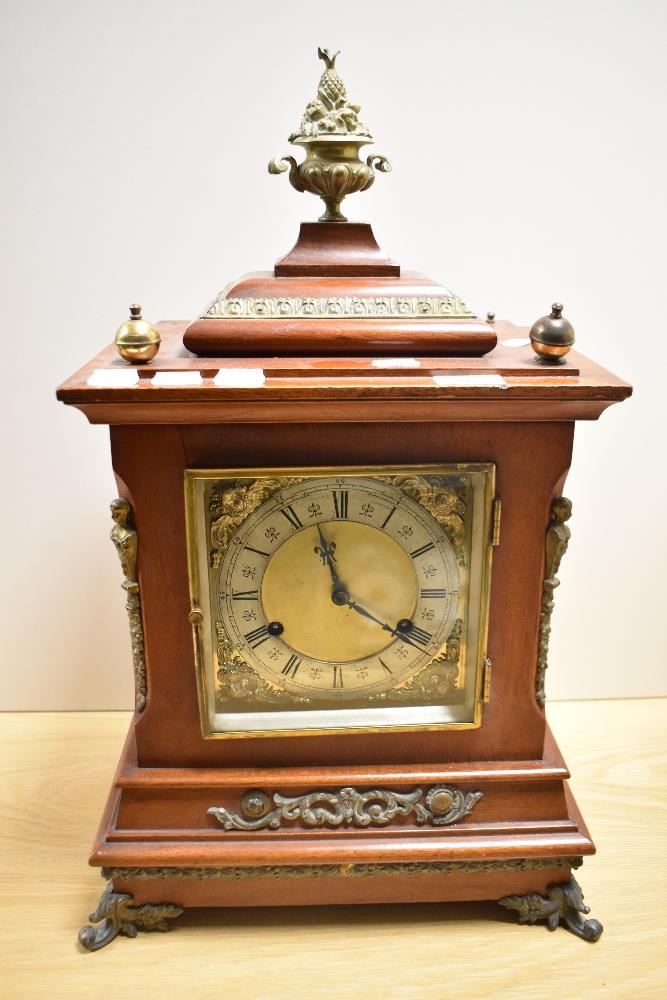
[(372, 570)]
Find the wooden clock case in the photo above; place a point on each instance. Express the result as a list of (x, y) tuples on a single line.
[(157, 844)]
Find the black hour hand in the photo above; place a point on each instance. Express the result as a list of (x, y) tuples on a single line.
[(325, 550)]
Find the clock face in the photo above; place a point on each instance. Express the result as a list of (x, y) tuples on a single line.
[(338, 587), (340, 598)]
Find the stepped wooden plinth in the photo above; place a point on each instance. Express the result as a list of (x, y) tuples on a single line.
[(336, 294)]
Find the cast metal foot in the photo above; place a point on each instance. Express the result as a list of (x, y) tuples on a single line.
[(565, 902), (119, 916)]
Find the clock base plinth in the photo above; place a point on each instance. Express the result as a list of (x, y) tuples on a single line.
[(125, 907), (162, 851)]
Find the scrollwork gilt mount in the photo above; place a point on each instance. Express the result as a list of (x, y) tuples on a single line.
[(564, 901), (117, 915), (442, 805)]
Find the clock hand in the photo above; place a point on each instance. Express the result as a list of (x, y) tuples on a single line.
[(325, 550), (342, 597)]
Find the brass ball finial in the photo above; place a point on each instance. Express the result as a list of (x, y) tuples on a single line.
[(137, 340), (552, 336)]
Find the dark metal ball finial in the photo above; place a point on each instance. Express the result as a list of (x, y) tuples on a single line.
[(552, 336)]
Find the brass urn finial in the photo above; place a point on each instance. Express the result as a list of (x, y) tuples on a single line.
[(332, 135)]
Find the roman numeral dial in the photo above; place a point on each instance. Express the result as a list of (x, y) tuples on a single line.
[(336, 589)]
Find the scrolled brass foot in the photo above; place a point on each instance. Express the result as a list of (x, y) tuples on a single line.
[(565, 901), (117, 915)]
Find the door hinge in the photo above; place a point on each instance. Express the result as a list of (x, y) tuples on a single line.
[(486, 686), (497, 512)]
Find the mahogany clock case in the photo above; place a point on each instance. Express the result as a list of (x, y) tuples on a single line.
[(339, 360), (150, 463), (161, 839)]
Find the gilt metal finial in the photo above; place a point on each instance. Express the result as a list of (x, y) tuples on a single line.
[(332, 135), (331, 113)]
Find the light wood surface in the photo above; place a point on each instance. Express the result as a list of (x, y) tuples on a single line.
[(616, 751)]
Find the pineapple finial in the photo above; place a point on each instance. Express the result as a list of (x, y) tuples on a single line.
[(331, 113)]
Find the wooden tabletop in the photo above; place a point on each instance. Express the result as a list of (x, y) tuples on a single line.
[(616, 751)]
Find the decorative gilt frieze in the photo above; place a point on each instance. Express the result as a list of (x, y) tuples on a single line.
[(563, 902), (238, 874), (441, 806), (119, 916), (338, 307), (557, 539), (124, 537)]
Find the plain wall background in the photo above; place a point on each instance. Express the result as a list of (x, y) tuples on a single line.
[(528, 143)]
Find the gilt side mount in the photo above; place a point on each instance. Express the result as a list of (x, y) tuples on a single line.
[(332, 136)]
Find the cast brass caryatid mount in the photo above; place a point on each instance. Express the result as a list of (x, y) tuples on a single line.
[(332, 136)]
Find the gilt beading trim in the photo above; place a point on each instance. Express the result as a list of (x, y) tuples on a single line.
[(339, 307), (236, 873)]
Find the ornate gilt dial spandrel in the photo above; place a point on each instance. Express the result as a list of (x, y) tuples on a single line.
[(339, 598)]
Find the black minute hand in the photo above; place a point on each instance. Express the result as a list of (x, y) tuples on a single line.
[(362, 611)]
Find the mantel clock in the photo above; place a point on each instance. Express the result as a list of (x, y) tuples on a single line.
[(340, 523)]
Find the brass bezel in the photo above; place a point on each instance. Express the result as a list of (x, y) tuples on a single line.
[(196, 616)]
